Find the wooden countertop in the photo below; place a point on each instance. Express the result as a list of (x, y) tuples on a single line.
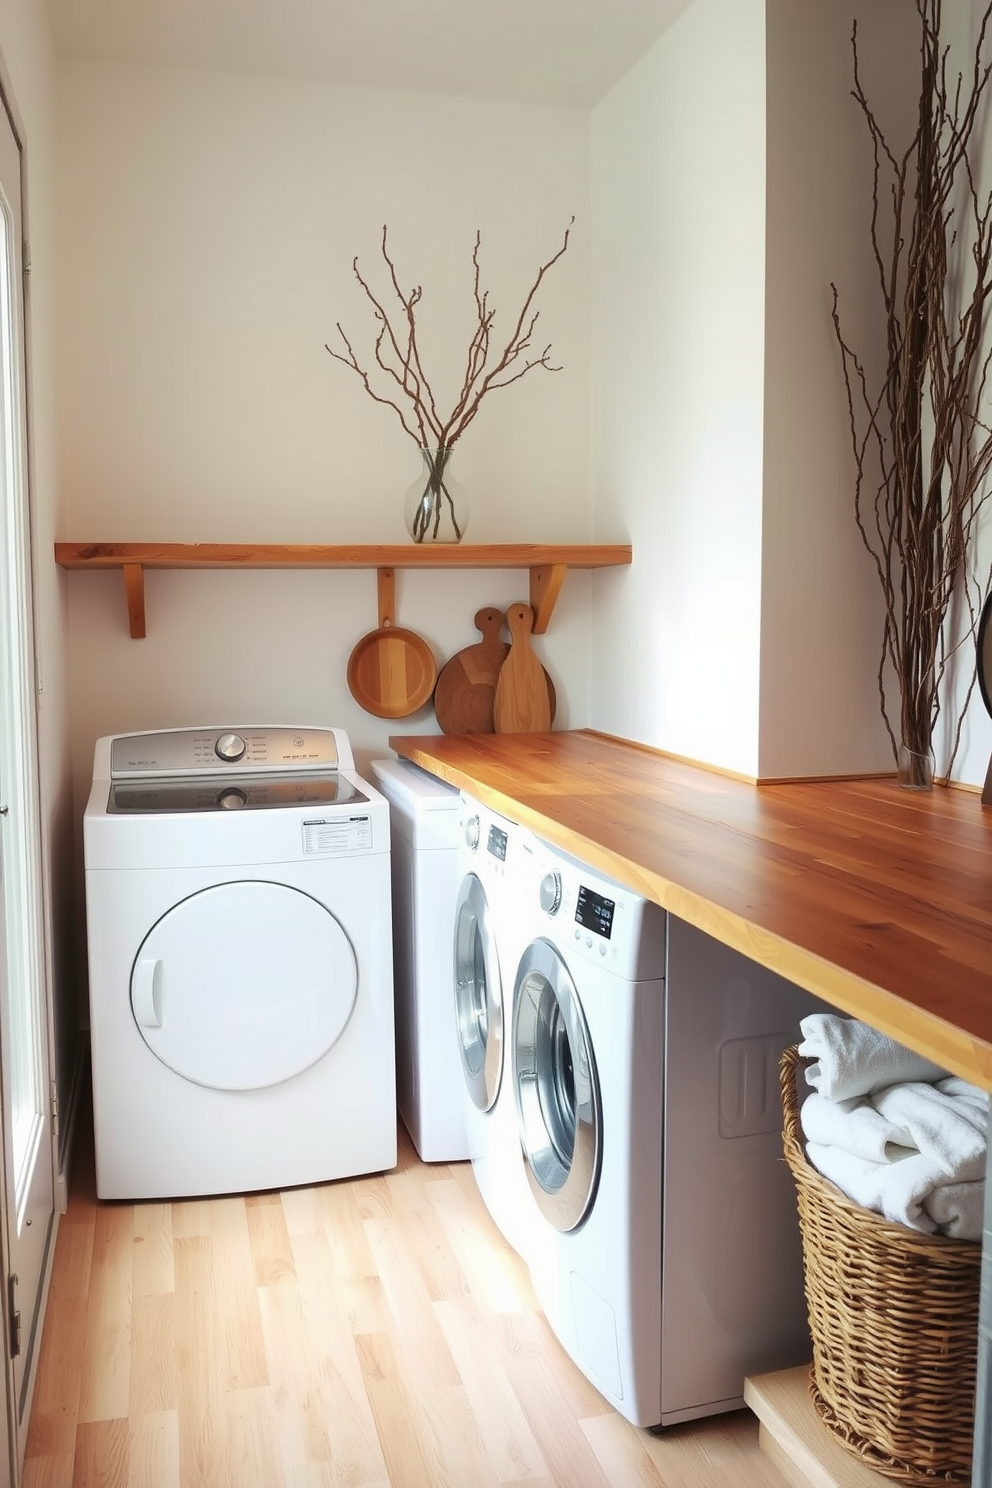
[(875, 898)]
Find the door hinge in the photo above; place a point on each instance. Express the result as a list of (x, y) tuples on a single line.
[(15, 1317), (55, 1108)]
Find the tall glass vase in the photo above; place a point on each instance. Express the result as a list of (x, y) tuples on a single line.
[(914, 768), (436, 506)]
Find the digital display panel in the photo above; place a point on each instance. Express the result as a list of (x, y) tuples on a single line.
[(595, 913), (497, 843)]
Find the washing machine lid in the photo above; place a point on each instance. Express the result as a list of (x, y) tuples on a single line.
[(478, 994), (556, 1088), (221, 793), (244, 985), (419, 792)]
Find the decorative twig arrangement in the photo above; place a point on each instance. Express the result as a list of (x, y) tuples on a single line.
[(919, 439), (397, 356)]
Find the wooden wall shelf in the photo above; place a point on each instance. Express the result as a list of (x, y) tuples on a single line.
[(548, 563)]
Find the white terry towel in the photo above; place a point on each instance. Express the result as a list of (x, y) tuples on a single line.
[(954, 1085), (957, 1209), (949, 1129), (898, 1190), (852, 1059), (855, 1126)]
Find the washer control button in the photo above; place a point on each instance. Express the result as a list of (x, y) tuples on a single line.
[(551, 892), (230, 747), (472, 833), (232, 799)]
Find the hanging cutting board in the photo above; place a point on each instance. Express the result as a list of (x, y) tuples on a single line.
[(522, 704), (391, 671), (466, 685)]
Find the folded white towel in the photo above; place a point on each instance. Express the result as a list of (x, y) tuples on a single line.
[(958, 1209), (855, 1126), (954, 1085), (951, 1130), (852, 1059), (896, 1190)]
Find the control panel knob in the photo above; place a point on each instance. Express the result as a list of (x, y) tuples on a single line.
[(230, 747), (551, 892), (232, 799), (472, 833)]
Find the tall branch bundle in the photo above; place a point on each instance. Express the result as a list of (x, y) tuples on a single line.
[(920, 436), (489, 364)]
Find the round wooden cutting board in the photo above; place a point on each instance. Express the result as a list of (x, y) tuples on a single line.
[(391, 672), (466, 685)]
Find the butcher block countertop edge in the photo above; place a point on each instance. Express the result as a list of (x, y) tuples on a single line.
[(877, 899)]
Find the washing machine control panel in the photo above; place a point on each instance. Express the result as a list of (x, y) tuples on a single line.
[(202, 751), (496, 842), (594, 911)]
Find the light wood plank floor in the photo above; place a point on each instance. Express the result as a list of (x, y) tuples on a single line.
[(374, 1333)]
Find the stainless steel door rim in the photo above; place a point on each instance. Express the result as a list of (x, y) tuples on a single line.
[(556, 1088), (478, 994)]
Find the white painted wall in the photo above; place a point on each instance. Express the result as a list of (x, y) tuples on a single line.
[(209, 224), (821, 614), (678, 307), (961, 24), (731, 183)]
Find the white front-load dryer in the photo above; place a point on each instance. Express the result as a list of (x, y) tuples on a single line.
[(240, 961), (645, 1060), (489, 931)]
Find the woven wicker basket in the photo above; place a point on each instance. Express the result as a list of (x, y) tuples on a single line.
[(894, 1321)]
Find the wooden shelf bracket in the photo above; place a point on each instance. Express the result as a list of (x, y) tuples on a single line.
[(545, 586), (134, 589)]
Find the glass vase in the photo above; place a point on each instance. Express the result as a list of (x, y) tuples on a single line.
[(914, 768), (436, 506)]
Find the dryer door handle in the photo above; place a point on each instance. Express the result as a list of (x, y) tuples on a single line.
[(146, 989)]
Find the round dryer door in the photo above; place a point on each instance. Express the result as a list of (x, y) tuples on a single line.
[(243, 985), (557, 1090), (478, 994)]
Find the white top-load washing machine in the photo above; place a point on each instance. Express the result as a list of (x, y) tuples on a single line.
[(488, 936), (240, 960), (645, 1060), (425, 819)]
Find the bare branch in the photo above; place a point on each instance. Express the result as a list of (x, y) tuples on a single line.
[(397, 357)]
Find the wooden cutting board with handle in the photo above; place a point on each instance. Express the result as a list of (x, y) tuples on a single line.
[(466, 685), (522, 704)]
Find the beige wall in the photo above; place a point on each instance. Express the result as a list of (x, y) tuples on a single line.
[(728, 188), (209, 227), (821, 614), (678, 295), (961, 25)]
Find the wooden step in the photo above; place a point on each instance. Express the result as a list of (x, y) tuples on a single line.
[(794, 1438)]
